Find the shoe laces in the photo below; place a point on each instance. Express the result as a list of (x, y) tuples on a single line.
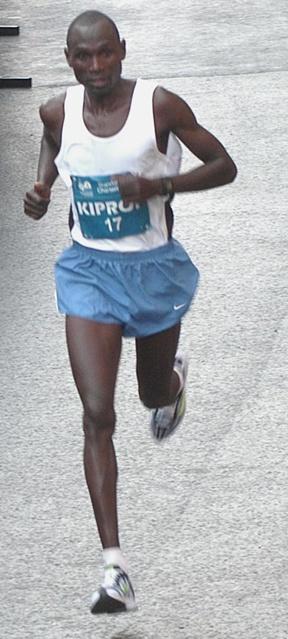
[(115, 578), (110, 575)]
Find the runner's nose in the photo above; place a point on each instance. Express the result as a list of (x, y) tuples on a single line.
[(96, 64)]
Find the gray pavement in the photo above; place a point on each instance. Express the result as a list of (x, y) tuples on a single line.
[(203, 517)]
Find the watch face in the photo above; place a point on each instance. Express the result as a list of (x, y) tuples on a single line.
[(167, 186)]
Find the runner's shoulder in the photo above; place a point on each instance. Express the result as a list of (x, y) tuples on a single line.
[(52, 112), (164, 98), (170, 107)]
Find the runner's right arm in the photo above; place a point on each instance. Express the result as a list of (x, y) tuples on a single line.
[(37, 200)]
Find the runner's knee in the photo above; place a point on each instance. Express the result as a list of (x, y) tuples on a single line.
[(98, 419)]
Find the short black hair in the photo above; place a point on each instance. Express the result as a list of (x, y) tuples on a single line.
[(85, 19)]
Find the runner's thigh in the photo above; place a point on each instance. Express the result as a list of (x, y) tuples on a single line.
[(94, 351)]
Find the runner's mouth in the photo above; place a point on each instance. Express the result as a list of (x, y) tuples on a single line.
[(98, 81)]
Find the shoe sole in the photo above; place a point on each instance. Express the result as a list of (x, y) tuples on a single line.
[(114, 612), (108, 605)]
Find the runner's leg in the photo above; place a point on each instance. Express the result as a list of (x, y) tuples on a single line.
[(94, 351), (158, 383), (162, 378)]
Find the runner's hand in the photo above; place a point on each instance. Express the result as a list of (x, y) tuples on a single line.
[(137, 189), (36, 202)]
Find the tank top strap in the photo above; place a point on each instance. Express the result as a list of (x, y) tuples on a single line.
[(73, 108), (144, 91), (141, 109)]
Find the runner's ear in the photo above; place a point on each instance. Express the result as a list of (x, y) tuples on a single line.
[(66, 51), (123, 47)]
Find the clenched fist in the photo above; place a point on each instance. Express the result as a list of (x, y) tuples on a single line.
[(36, 202), (137, 189)]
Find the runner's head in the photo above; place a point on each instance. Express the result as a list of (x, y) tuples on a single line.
[(95, 52)]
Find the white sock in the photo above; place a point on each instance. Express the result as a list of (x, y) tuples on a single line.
[(113, 556)]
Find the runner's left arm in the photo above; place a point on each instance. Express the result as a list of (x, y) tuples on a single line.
[(217, 168)]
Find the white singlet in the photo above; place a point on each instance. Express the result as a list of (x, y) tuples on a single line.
[(87, 164)]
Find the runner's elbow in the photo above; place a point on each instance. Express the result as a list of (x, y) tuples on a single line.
[(230, 171)]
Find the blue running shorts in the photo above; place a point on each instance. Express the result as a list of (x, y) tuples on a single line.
[(144, 291)]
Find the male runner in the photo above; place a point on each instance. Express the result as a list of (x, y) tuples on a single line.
[(109, 139)]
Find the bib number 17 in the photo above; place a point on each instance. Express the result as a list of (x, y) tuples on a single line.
[(116, 221)]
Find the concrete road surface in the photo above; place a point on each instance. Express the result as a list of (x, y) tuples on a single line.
[(203, 517)]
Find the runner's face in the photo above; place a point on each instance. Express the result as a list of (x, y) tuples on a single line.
[(95, 54)]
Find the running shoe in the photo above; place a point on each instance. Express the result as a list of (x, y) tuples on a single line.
[(165, 420), (115, 594)]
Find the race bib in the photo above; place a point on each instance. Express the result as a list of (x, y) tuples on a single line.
[(101, 210)]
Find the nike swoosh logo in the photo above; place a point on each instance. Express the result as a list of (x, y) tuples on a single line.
[(177, 306)]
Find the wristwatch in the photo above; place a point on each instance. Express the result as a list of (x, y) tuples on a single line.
[(167, 187)]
